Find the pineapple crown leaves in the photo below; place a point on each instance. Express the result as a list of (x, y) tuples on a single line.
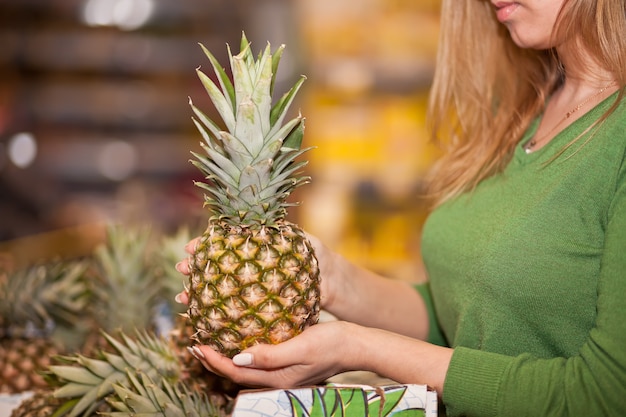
[(86, 381), (250, 167), (124, 274), (124, 253), (145, 396), (42, 295)]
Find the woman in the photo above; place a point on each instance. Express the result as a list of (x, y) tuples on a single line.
[(526, 247)]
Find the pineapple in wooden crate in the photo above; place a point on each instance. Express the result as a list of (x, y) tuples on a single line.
[(255, 278)]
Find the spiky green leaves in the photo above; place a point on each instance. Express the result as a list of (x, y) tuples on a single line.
[(145, 397), (36, 299), (250, 166), (123, 276), (84, 382)]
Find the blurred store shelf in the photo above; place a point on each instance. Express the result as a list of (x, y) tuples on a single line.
[(100, 88), (95, 94)]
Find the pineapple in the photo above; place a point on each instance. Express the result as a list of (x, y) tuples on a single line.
[(254, 278), (40, 297), (127, 289), (22, 360), (141, 375), (40, 306), (84, 383), (124, 286)]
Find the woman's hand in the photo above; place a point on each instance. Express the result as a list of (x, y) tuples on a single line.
[(354, 294), (329, 348), (318, 353)]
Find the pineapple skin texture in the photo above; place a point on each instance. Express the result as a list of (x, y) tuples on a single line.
[(251, 285)]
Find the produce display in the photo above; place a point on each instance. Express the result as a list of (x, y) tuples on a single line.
[(102, 334)]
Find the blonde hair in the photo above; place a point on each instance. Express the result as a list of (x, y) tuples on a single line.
[(487, 90)]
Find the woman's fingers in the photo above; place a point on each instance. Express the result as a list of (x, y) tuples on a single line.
[(305, 359), (183, 265), (289, 353), (192, 245), (210, 359), (221, 365), (182, 297), (184, 268)]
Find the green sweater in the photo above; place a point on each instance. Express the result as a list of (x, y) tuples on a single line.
[(528, 281)]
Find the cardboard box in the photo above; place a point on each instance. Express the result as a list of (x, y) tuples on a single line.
[(338, 401), (9, 402)]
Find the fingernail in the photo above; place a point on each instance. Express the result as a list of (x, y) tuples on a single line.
[(178, 298), (196, 352), (243, 359)]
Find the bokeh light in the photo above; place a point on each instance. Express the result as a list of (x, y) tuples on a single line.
[(125, 14), (117, 160), (22, 149)]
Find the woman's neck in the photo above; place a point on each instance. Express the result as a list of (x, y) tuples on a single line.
[(583, 73)]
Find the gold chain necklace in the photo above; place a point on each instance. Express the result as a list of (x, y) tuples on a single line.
[(534, 141)]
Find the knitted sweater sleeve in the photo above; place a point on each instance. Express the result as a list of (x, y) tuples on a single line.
[(591, 383)]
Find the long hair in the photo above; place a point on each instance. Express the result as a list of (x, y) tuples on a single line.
[(486, 90)]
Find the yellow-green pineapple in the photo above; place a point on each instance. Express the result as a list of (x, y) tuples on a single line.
[(255, 278)]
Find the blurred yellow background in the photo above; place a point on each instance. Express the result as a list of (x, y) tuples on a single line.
[(95, 125)]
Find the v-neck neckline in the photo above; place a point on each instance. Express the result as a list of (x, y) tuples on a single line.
[(560, 140)]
